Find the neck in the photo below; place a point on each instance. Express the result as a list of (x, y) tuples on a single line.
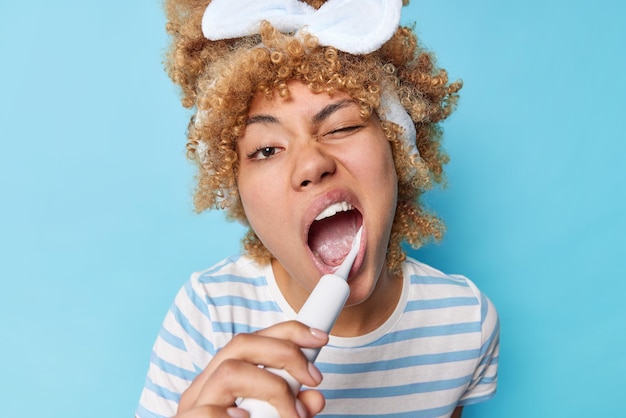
[(356, 319), (367, 316)]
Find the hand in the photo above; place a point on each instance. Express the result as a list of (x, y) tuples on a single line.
[(233, 373)]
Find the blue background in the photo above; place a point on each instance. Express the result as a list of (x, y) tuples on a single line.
[(97, 230)]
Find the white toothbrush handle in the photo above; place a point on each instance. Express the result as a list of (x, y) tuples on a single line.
[(320, 311), (323, 306)]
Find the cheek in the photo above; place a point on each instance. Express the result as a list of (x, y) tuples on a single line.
[(382, 182), (259, 199), (391, 187), (248, 195), (377, 165)]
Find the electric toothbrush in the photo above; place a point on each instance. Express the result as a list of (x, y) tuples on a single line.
[(320, 311)]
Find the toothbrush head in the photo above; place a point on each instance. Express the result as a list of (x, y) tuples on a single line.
[(344, 269)]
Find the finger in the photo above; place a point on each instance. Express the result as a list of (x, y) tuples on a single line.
[(296, 332), (277, 354), (242, 347), (313, 401), (274, 353), (239, 379), (212, 411), (277, 346)]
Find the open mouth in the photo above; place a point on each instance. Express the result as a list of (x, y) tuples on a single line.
[(332, 233)]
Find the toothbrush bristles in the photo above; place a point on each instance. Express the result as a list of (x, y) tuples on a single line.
[(344, 269)]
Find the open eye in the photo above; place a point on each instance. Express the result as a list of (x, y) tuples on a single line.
[(263, 153)]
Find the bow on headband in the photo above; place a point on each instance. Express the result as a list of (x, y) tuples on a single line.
[(353, 26), (357, 27)]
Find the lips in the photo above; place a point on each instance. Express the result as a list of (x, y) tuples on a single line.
[(332, 233)]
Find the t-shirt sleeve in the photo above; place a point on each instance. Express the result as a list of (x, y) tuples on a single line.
[(182, 348), (484, 381)]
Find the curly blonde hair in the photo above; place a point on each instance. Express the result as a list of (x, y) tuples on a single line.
[(219, 79)]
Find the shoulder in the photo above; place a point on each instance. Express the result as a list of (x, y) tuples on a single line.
[(227, 298), (237, 266), (421, 274), (433, 284), (230, 273), (225, 283), (457, 303)]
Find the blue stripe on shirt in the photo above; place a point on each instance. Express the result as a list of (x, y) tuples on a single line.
[(161, 391), (196, 335), (437, 280), (231, 278), (398, 363), (233, 328), (220, 265), (478, 399), (422, 413), (400, 390), (251, 304), (172, 369), (172, 340), (417, 305), (488, 380), (197, 300), (495, 335), (431, 331)]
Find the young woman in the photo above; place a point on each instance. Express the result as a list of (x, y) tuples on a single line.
[(314, 120)]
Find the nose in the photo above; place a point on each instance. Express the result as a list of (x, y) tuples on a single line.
[(311, 165)]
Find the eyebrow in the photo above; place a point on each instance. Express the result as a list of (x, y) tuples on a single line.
[(261, 119), (317, 118), (330, 109)]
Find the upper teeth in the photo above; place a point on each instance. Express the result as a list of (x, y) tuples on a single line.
[(333, 209)]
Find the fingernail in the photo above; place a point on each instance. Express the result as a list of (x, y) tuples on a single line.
[(302, 412), (315, 373), (236, 413), (319, 334)]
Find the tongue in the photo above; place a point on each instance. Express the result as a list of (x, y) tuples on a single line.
[(331, 239)]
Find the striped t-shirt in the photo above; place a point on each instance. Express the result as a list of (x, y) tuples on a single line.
[(438, 350)]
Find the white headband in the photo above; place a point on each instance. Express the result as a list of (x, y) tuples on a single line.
[(356, 27)]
